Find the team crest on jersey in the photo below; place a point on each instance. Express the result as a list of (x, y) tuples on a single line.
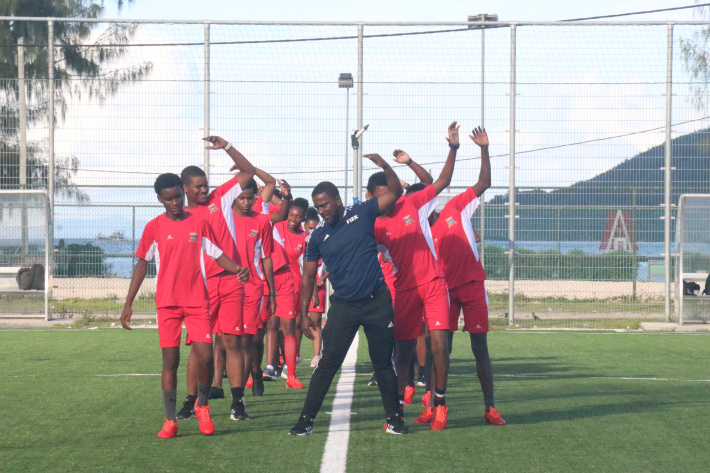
[(213, 208), (408, 220), (450, 221), (299, 247), (193, 237), (254, 234)]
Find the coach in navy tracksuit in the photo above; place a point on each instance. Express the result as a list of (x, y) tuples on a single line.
[(345, 241)]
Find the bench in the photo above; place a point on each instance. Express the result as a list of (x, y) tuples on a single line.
[(12, 270)]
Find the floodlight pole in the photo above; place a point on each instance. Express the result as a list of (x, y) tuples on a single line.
[(511, 185), (345, 81), (50, 174), (357, 153), (22, 102), (667, 175)]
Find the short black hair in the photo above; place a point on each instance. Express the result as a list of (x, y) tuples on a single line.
[(301, 203), (415, 188), (312, 215), (189, 172), (326, 187), (252, 185), (166, 181), (377, 179)]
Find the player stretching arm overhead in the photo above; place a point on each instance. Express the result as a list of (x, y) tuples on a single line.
[(455, 244), (225, 290), (404, 236)]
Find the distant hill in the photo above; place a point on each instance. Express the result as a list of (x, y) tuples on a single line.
[(637, 181)]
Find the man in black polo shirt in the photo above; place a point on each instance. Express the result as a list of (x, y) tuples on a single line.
[(345, 240)]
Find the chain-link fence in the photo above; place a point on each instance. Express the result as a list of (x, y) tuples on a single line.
[(583, 131)]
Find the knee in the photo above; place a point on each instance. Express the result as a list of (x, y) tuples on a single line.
[(479, 346)]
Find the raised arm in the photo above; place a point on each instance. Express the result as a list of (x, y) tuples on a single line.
[(282, 214), (403, 158), (246, 169), (394, 187), (448, 171), (480, 137), (139, 273), (269, 184)]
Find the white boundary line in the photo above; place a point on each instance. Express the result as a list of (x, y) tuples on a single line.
[(335, 453), (620, 378)]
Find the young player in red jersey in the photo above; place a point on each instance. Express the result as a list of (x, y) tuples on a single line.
[(455, 244), (317, 307), (294, 242), (405, 238), (255, 244), (378, 180), (226, 292), (286, 305), (178, 241)]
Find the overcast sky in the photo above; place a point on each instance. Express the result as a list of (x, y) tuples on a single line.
[(393, 10)]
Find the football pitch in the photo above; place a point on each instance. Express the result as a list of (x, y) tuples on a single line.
[(90, 400)]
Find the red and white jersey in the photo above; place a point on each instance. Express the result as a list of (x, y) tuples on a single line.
[(455, 242), (254, 242), (179, 248), (264, 208), (388, 271), (279, 256), (295, 245), (218, 213), (404, 238)]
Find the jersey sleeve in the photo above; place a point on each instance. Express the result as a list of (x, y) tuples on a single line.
[(208, 241), (267, 237), (312, 252), (467, 203), (425, 198), (370, 209), (148, 243)]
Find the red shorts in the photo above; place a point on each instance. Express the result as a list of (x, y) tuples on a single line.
[(321, 301), (226, 304), (285, 309), (253, 300), (473, 299), (433, 298), (197, 322)]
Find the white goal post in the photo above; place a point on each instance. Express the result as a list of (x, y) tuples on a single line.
[(692, 263), (24, 240)]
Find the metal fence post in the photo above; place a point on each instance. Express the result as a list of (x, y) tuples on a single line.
[(21, 99), (206, 98), (667, 175), (482, 228), (511, 186), (50, 173), (357, 159)]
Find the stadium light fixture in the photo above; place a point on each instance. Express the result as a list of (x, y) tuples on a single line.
[(345, 81)]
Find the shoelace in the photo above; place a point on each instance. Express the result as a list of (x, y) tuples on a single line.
[(441, 413)]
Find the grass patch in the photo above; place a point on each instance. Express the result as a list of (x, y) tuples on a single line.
[(562, 394)]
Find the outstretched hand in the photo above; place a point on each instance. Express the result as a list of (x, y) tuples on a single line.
[(401, 156), (377, 159), (217, 142), (453, 137), (284, 186), (479, 136)]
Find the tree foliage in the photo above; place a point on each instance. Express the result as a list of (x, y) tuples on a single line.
[(695, 52), (82, 69)]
